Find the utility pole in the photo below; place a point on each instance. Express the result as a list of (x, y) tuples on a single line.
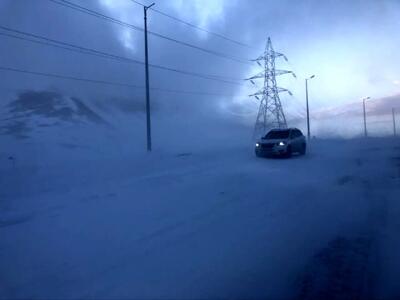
[(148, 121), (365, 117), (394, 122), (308, 111), (270, 113)]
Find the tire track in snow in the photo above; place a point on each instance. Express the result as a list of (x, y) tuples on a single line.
[(348, 268)]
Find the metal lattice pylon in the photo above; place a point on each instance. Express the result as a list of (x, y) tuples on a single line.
[(270, 114)]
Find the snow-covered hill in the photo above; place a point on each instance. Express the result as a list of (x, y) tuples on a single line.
[(45, 128)]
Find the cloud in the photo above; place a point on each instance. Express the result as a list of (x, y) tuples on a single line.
[(350, 45), (204, 13)]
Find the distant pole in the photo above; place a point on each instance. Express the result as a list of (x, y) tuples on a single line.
[(394, 122), (365, 117), (145, 8), (308, 111)]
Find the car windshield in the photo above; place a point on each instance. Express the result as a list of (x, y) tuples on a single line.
[(277, 134)]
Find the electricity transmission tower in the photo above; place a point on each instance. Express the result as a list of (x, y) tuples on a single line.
[(270, 113)]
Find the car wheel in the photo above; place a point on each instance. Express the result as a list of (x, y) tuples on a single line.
[(303, 149)]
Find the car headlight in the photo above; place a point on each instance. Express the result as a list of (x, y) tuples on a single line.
[(257, 145), (281, 143)]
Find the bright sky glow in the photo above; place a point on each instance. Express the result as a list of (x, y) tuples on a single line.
[(351, 57), (205, 13), (126, 11)]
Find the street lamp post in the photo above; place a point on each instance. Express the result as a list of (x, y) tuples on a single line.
[(394, 121), (365, 116), (308, 112), (148, 122)]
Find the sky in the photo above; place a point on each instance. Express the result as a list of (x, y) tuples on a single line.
[(350, 46)]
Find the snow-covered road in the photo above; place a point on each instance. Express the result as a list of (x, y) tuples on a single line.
[(212, 224)]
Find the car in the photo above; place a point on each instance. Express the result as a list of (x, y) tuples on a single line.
[(281, 142)]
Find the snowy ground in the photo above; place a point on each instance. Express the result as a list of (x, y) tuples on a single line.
[(216, 223)]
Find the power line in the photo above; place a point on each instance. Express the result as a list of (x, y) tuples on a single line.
[(109, 82), (195, 26), (91, 51), (122, 59), (68, 77), (119, 22)]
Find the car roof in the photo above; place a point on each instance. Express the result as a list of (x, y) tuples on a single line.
[(284, 129)]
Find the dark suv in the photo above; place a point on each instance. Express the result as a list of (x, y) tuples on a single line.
[(281, 142)]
